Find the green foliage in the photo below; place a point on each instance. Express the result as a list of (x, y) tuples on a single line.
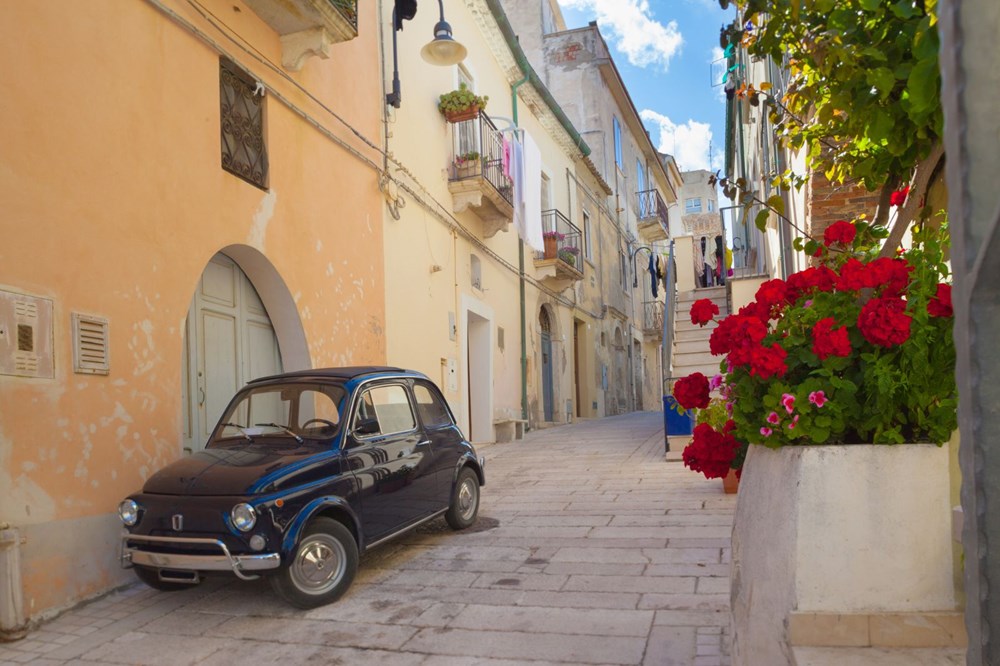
[(864, 92), (461, 100)]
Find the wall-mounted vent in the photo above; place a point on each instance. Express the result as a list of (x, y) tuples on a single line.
[(500, 341), (25, 335), (90, 345)]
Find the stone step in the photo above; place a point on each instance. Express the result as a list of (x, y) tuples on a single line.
[(912, 629), (715, 293), (692, 346), (870, 656), (699, 358)]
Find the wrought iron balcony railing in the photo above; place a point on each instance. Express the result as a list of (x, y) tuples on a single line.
[(348, 9), (562, 239), (478, 153), (652, 215)]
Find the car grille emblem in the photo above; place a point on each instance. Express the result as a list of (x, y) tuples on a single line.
[(177, 522)]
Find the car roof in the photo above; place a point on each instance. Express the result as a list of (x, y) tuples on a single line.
[(344, 374)]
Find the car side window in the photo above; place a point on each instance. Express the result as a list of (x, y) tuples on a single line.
[(433, 412), (388, 407)]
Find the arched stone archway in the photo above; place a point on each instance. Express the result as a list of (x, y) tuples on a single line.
[(242, 323)]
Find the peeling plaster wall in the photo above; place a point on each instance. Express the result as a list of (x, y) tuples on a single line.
[(114, 203)]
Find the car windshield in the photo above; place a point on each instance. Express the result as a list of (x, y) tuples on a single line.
[(295, 411)]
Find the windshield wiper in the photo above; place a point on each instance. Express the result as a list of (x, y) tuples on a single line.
[(281, 427), (240, 428)]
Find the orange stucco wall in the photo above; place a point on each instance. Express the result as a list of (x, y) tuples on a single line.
[(112, 201)]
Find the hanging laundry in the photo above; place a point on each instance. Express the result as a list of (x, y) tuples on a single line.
[(652, 276), (517, 176), (505, 156), (532, 177)]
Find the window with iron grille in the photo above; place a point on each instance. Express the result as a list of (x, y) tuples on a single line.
[(244, 153)]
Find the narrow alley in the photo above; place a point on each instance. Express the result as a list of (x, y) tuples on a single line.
[(589, 549)]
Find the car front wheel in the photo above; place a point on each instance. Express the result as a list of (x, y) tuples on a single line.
[(464, 501), (322, 568)]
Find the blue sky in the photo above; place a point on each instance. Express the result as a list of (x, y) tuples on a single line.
[(664, 50)]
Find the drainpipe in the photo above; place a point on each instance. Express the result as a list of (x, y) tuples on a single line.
[(520, 274), (12, 624)]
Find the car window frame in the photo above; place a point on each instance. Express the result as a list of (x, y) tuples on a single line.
[(436, 393), (359, 394)]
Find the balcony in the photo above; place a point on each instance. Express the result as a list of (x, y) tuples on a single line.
[(561, 263), (652, 320), (476, 177), (308, 27), (652, 216)]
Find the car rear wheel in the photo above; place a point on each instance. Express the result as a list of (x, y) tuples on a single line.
[(464, 500), (322, 567), (151, 577)]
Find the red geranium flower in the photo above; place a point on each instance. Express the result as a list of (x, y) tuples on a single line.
[(702, 311), (691, 392), (736, 331), (711, 452), (894, 274), (884, 322), (841, 231), (770, 296), (898, 197), (766, 362), (829, 342), (816, 278), (940, 305)]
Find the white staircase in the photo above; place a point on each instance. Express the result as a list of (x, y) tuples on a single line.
[(691, 352)]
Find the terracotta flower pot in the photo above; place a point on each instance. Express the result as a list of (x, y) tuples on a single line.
[(731, 482), (464, 114), (551, 247)]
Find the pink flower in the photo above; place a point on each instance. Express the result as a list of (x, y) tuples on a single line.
[(715, 382), (795, 419), (788, 401), (817, 398), (773, 418), (729, 409), (766, 432)]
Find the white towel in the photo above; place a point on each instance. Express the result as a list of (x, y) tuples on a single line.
[(517, 176), (532, 175)]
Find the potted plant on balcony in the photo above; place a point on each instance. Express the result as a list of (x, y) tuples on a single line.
[(551, 240), (467, 165), (461, 104), (567, 254), (838, 387)]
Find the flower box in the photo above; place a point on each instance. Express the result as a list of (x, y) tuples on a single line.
[(844, 529)]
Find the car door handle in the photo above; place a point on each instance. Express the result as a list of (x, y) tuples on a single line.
[(404, 453), (426, 442)]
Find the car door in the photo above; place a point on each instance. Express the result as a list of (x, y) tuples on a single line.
[(391, 459), (446, 439)]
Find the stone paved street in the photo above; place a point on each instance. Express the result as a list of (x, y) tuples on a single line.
[(590, 549)]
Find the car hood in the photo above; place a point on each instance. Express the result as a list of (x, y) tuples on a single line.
[(243, 470)]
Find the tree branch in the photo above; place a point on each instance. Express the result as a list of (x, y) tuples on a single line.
[(908, 211), (885, 195)]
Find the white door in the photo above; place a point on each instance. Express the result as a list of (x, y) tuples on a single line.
[(229, 340)]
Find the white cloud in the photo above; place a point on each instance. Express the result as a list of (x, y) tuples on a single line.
[(688, 142), (643, 40)]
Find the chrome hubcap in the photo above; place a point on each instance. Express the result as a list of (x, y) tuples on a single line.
[(319, 565), (467, 499)]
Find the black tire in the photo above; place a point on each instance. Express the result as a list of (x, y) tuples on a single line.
[(151, 577), (322, 566), (464, 500)]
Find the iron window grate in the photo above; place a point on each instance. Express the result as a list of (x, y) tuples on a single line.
[(244, 153)]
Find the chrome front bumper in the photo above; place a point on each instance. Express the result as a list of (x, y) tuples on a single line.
[(225, 561)]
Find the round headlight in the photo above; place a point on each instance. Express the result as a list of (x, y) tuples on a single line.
[(128, 511), (244, 517)]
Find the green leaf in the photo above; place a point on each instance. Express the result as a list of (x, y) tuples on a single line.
[(777, 203), (883, 80), (870, 5), (761, 220), (924, 84)]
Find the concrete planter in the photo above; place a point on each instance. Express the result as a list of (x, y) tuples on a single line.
[(837, 529)]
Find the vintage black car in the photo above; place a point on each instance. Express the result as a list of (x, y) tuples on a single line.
[(305, 471)]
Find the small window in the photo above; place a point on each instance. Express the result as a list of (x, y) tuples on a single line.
[(711, 206), (244, 153), (618, 143), (623, 260), (587, 247), (476, 268), (692, 205), (389, 408), (433, 412), (640, 177)]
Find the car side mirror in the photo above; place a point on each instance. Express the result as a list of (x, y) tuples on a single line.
[(366, 427)]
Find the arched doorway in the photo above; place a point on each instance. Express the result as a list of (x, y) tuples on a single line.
[(229, 337), (548, 389)]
